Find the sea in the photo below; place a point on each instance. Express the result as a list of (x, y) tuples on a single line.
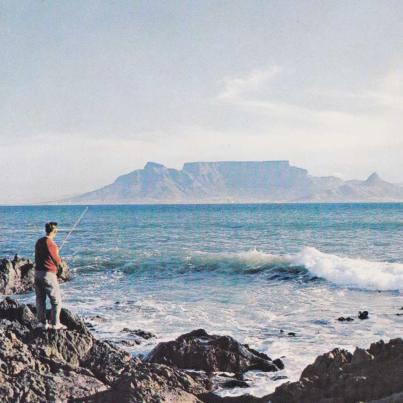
[(274, 276)]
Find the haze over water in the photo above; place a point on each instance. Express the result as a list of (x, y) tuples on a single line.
[(249, 271)]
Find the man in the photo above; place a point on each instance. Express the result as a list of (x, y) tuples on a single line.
[(47, 262)]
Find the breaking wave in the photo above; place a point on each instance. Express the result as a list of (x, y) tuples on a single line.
[(308, 264)]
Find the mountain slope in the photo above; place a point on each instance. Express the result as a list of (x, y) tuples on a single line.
[(231, 181)]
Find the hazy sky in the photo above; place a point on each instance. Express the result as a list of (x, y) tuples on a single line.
[(90, 90)]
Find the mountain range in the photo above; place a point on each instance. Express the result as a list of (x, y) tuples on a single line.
[(236, 182)]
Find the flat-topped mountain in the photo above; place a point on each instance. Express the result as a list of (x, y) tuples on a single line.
[(236, 182)]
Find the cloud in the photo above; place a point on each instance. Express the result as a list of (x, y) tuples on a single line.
[(386, 93), (266, 92), (287, 96), (236, 87)]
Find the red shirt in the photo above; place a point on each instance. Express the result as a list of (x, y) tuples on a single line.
[(47, 255)]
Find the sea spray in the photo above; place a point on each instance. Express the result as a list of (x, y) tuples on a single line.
[(311, 263), (358, 273)]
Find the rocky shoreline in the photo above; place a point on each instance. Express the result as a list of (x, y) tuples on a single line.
[(38, 365)]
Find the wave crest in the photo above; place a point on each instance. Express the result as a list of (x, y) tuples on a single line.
[(308, 264)]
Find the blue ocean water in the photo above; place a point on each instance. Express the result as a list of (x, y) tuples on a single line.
[(256, 272)]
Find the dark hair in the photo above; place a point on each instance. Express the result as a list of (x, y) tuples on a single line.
[(50, 226)]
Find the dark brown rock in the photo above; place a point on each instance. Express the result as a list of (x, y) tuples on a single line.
[(210, 397), (345, 319), (38, 365), (212, 353), (363, 315), (235, 383), (139, 333), (339, 376), (143, 384), (136, 336)]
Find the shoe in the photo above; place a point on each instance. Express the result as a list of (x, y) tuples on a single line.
[(58, 327)]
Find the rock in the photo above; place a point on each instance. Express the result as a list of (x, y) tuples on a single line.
[(38, 365), (235, 383), (211, 397), (89, 325), (97, 319), (143, 383), (212, 353), (292, 334), (139, 333), (345, 319), (128, 343), (14, 311), (219, 380), (361, 356), (72, 321), (363, 315), (278, 377), (339, 376), (106, 361), (18, 275)]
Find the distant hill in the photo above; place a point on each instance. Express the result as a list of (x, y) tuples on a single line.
[(236, 182)]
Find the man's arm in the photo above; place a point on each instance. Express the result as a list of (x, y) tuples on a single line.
[(54, 252)]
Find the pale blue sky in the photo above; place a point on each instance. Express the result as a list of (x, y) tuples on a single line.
[(105, 86)]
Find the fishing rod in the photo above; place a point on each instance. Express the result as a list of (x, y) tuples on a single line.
[(74, 227)]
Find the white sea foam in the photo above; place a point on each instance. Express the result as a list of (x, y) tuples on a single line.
[(343, 271), (352, 272)]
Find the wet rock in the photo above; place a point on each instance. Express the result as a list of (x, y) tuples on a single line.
[(211, 397), (278, 363), (128, 343), (18, 275), (89, 325), (137, 336), (278, 377), (224, 380), (291, 334), (212, 353), (97, 319), (339, 376), (363, 315), (345, 319), (235, 383), (139, 333), (38, 365)]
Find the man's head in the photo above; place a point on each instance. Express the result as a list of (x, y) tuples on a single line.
[(51, 228)]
